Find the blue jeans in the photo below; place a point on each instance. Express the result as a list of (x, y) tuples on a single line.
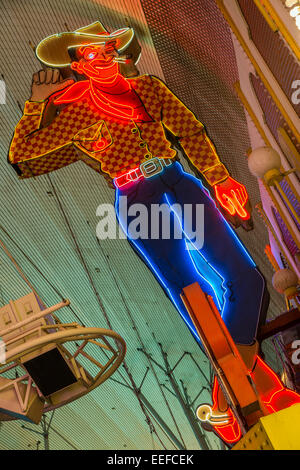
[(222, 266)]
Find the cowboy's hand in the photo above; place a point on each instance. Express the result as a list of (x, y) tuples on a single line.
[(234, 201), (46, 82)]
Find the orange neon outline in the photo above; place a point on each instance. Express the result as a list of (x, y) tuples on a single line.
[(103, 52), (124, 176), (40, 116), (211, 147), (105, 80), (277, 383), (202, 130), (219, 163), (101, 123), (228, 430), (107, 107), (60, 92), (108, 81), (90, 85), (235, 203), (231, 433), (32, 103)]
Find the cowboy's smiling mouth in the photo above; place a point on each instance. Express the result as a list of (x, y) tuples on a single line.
[(99, 64)]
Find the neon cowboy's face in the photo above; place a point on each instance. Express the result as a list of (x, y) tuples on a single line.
[(97, 62)]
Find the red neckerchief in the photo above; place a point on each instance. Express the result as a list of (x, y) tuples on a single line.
[(115, 98)]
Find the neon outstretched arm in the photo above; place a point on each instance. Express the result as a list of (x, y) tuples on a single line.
[(192, 136), (201, 152)]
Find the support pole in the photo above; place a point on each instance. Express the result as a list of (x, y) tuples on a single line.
[(162, 423), (45, 428), (186, 408)]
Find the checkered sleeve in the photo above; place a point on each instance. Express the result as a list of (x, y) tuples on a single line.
[(35, 150), (192, 136), (204, 157)]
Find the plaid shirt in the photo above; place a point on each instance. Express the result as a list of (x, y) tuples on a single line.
[(83, 132)]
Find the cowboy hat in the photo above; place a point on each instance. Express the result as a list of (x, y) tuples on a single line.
[(54, 50)]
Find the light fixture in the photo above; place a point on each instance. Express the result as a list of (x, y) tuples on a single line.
[(294, 12), (294, 8), (290, 3)]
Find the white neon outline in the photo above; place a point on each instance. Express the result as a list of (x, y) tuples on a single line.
[(245, 251), (79, 33), (220, 307), (190, 326), (138, 59), (210, 418), (194, 264)]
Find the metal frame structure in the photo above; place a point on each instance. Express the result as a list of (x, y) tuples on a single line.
[(56, 335), (180, 393)]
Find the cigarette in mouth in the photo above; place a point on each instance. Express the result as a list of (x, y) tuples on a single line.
[(123, 61)]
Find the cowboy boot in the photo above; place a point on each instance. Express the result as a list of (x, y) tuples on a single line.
[(219, 418), (274, 395)]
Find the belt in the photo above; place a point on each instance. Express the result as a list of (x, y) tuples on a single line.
[(147, 169)]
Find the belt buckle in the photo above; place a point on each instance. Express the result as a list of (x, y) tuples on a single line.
[(151, 167), (154, 166), (147, 169)]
